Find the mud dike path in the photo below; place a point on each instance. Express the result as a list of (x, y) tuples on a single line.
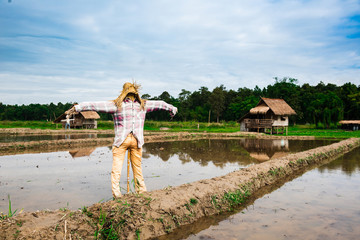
[(159, 212)]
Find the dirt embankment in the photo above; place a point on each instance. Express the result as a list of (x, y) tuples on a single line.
[(159, 212)]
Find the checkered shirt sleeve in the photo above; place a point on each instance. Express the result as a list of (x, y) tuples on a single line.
[(103, 106), (155, 105)]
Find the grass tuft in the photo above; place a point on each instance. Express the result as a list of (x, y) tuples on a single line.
[(10, 212)]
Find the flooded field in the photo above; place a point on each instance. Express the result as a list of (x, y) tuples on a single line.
[(78, 178), (7, 138), (321, 204)]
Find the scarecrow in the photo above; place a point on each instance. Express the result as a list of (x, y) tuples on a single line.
[(129, 112)]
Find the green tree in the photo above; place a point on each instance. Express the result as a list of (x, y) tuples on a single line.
[(327, 109), (145, 96), (350, 95), (307, 95), (230, 96), (184, 104), (240, 106), (199, 106), (217, 101)]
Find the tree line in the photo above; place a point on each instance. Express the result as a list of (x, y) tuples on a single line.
[(322, 104), (33, 112)]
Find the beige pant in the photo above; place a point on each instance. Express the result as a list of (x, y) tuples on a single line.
[(130, 144)]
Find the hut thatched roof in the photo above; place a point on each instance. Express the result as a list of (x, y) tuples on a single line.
[(90, 115), (349, 122), (259, 110), (278, 106), (85, 114)]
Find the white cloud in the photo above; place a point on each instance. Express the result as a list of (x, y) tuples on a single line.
[(93, 47)]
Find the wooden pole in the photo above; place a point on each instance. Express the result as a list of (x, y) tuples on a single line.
[(209, 117), (128, 171), (55, 119)]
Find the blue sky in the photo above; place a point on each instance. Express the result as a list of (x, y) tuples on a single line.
[(73, 51)]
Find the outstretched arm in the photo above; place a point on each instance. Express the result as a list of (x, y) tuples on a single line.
[(152, 105), (103, 106)]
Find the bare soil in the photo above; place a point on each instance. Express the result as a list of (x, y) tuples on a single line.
[(159, 212)]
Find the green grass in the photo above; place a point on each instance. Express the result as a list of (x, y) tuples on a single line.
[(192, 126), (149, 125), (105, 125), (105, 228), (236, 198), (10, 214), (223, 127), (29, 124), (310, 130)]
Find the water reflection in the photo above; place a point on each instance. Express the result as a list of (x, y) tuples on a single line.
[(263, 150), (82, 152), (348, 164), (219, 152)]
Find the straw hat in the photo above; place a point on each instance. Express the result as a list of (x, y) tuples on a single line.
[(129, 88)]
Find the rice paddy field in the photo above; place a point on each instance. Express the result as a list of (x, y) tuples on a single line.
[(319, 204)]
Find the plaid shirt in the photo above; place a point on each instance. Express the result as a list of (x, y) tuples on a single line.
[(129, 119)]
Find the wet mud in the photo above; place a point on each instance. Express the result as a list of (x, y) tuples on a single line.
[(160, 212)]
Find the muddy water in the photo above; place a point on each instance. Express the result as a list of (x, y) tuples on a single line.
[(321, 204), (77, 178)]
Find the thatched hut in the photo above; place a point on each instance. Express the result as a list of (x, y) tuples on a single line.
[(352, 125), (269, 115), (86, 119)]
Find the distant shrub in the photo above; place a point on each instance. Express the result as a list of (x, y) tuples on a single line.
[(320, 125)]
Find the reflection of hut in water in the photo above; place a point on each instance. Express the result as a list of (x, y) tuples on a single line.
[(264, 156), (269, 114), (266, 149), (82, 152), (216, 151), (86, 119)]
